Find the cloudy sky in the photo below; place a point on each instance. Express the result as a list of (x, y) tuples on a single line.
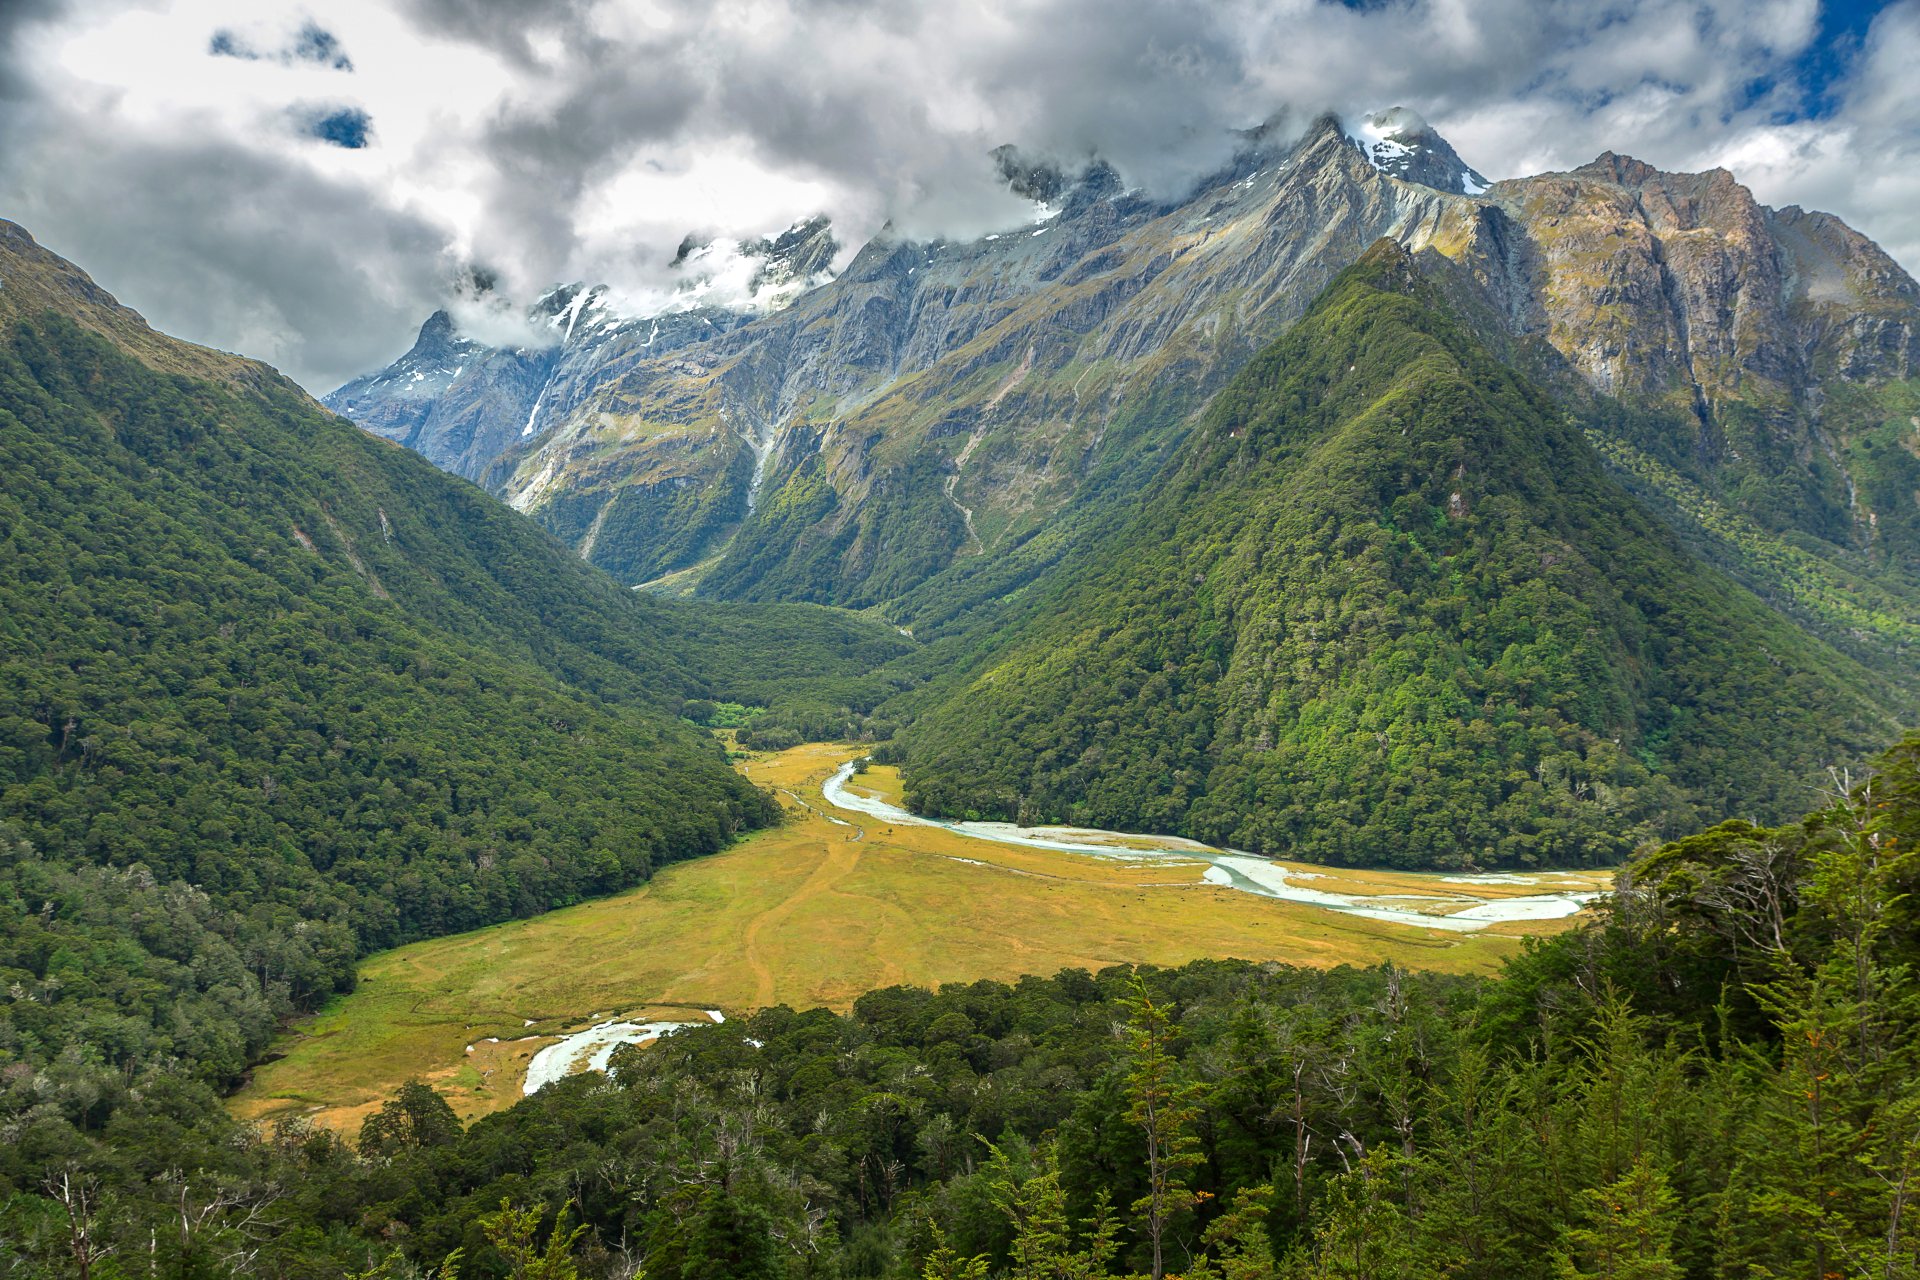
[(305, 182)]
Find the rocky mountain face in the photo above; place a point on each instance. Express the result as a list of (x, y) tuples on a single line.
[(1729, 322), (937, 404), (464, 404), (936, 401)]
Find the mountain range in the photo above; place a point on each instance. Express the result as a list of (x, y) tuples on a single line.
[(938, 403), (1350, 508), (1653, 559), (1610, 520)]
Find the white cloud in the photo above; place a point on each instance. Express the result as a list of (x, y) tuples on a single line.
[(571, 139)]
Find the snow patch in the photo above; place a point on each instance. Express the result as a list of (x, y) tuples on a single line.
[(1374, 136), (573, 311)]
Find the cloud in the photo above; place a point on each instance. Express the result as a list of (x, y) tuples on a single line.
[(1862, 161), (549, 140), (312, 43)]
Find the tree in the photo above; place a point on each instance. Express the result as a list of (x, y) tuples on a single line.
[(729, 1240), (1361, 1234), (79, 1199), (514, 1231), (1843, 1125), (415, 1118), (1163, 1103), (1036, 1205), (1238, 1246), (945, 1263), (1629, 1229)]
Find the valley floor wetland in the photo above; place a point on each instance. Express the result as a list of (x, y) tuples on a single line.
[(851, 894)]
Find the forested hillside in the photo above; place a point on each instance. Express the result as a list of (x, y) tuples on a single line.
[(1389, 608), (274, 694)]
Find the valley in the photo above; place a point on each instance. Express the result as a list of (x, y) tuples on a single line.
[(1286, 711), (834, 903)]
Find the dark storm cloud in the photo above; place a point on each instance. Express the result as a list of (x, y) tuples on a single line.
[(897, 104), (500, 25), (253, 254), (618, 100), (16, 17)]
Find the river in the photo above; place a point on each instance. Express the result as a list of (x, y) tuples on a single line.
[(1246, 872), (592, 1049)]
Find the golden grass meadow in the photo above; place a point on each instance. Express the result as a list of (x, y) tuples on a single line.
[(811, 913)]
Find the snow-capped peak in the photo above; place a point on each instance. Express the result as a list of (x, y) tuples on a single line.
[(1400, 144), (569, 309), (1379, 137), (761, 274)]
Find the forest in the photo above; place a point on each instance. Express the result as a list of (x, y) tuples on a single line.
[(1711, 1079), (274, 695)]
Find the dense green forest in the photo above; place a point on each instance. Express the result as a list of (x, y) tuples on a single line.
[(1388, 607), (1715, 1079), (274, 694)]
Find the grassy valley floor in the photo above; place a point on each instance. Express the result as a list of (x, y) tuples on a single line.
[(816, 912)]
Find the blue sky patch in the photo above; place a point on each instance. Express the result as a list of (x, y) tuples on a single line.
[(1814, 72), (348, 127), (314, 44), (225, 44)]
